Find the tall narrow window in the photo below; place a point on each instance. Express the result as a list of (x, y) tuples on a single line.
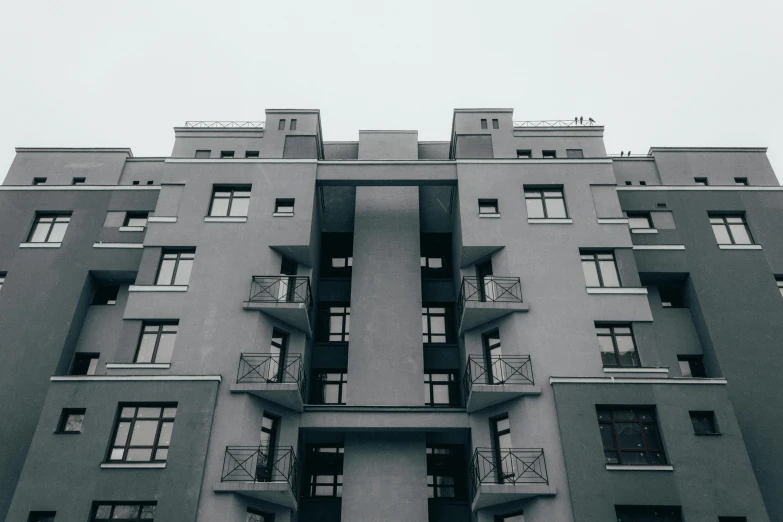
[(445, 471), (483, 123), (436, 323), (495, 124), (277, 356), (731, 229), (281, 125), (230, 201), (331, 387), (293, 124), (778, 281), (49, 227), (156, 342), (325, 470), (123, 511), (175, 267), (270, 426), (600, 269), (440, 389), (501, 438), (335, 323), (493, 353), (84, 364), (143, 433), (630, 436), (545, 203), (617, 345)]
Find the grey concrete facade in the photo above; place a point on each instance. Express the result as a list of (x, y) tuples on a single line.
[(395, 230)]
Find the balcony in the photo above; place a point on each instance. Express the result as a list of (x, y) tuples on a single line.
[(506, 475), (487, 299), (272, 377), (286, 298), (492, 380), (268, 475)]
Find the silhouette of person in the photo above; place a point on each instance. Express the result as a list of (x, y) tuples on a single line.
[(621, 153), (580, 120), (591, 120), (575, 120)]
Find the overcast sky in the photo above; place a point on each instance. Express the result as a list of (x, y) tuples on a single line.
[(111, 73)]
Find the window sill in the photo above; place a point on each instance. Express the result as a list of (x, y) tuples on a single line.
[(117, 245), (158, 288), (138, 366), (162, 219), (612, 221), (282, 214), (739, 247), (620, 467), (225, 219), (637, 369), (489, 215), (132, 229), (616, 290), (644, 231), (39, 245), (135, 465), (552, 221), (659, 247)]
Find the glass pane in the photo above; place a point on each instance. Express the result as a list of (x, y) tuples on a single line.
[(685, 369), (144, 433), (219, 207), (147, 512), (74, 422), (591, 273), (502, 425), (336, 324), (609, 273), (607, 437), (721, 234), (608, 357), (165, 434), (170, 413), (555, 208), (331, 393), (424, 324), (338, 262), (504, 441), (437, 338), (162, 454), (657, 458), (627, 351), (624, 414), (440, 394), (128, 412), (149, 413), (39, 233), (427, 397), (739, 232), (629, 435), (240, 205), (122, 434), (139, 455), (166, 271), (146, 347), (103, 511), (634, 458), (652, 438), (58, 232), (165, 348), (611, 457), (183, 272), (437, 325), (435, 262), (116, 454), (535, 208), (487, 209), (126, 511), (636, 222)]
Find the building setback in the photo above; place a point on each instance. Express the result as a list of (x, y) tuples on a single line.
[(232, 333)]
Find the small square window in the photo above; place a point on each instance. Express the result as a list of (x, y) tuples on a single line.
[(483, 123), (639, 220), (136, 182), (701, 181), (78, 181), (84, 364), (284, 206), (642, 183), (495, 124), (628, 183), (524, 153), (41, 516), (226, 154), (692, 366), (488, 206), (293, 124), (71, 420), (105, 294), (549, 154), (251, 154), (672, 295), (704, 422), (575, 153), (39, 181), (203, 154), (281, 125), (135, 219), (741, 181), (150, 182)]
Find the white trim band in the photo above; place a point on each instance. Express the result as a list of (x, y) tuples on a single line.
[(494, 215), (92, 378), (162, 219), (644, 231), (613, 221), (158, 288), (659, 247), (79, 187), (640, 380), (282, 214), (225, 219), (138, 366), (635, 370), (236, 160), (620, 467), (132, 229), (700, 188), (617, 290), (550, 221), (39, 245), (137, 465), (117, 245), (739, 247)]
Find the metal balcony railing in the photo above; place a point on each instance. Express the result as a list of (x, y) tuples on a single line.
[(498, 369), (261, 464), (507, 466), (586, 122), (281, 289), (490, 289), (225, 124), (271, 368)]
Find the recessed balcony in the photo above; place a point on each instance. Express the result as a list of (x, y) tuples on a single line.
[(261, 473), (486, 299), (276, 378), (286, 298), (498, 476), (492, 380)]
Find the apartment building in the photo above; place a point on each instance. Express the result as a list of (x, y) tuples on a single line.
[(511, 325)]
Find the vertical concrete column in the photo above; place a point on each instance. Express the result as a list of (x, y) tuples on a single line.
[(385, 356), (385, 477)]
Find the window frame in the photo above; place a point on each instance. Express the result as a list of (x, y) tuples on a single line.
[(723, 217), (129, 216), (595, 262), (451, 384), (613, 336), (333, 469), (126, 446), (448, 322), (292, 125), (638, 411), (549, 154), (711, 423), (227, 154), (65, 415), (320, 380), (701, 181), (445, 466), (199, 154), (483, 123), (741, 182), (495, 123), (235, 192), (252, 154), (326, 314), (78, 180), (39, 181), (159, 325), (96, 505), (575, 153), (284, 203), (646, 216), (488, 203), (538, 193), (524, 154), (178, 253), (56, 218)]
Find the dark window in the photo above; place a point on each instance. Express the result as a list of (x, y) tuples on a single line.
[(501, 446), (617, 345), (293, 124), (741, 181), (71, 420), (136, 219), (201, 154), (648, 514), (335, 322), (331, 387), (778, 281), (701, 181), (445, 471), (156, 342), (336, 254), (731, 229), (628, 183), (142, 433), (284, 206), (224, 154), (488, 206), (483, 123), (39, 181), (672, 295), (84, 364), (435, 249), (281, 125), (630, 436), (637, 220), (49, 227), (105, 294), (545, 203), (258, 516), (496, 371), (122, 511), (229, 201), (175, 267), (437, 324), (524, 153), (78, 181), (273, 370), (575, 153), (642, 183), (600, 269), (251, 154), (704, 422), (440, 389), (41, 516), (325, 470), (549, 154), (265, 466), (692, 365), (732, 519), (495, 124), (518, 516), (136, 182), (269, 428)]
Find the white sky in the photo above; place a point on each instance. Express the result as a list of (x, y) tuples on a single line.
[(119, 73)]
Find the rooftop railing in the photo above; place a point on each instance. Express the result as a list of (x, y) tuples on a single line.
[(225, 124), (588, 122), (507, 466), (490, 289), (497, 369), (261, 464), (281, 289), (271, 368)]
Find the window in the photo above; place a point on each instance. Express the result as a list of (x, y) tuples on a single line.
[(545, 203), (284, 206), (692, 365), (495, 124), (778, 281), (41, 516), (105, 294), (741, 181), (331, 387), (501, 445), (251, 154), (175, 267), (71, 420), (730, 229), (281, 125), (524, 153), (336, 254), (617, 346), (84, 364), (293, 124), (440, 389), (342, 262), (639, 220), (704, 422), (435, 251), (325, 470), (436, 323), (630, 436), (444, 471), (225, 154), (600, 269), (628, 183), (336, 323), (122, 511), (648, 514), (136, 219), (78, 181), (672, 295), (200, 154), (229, 201), (136, 182), (156, 342), (142, 433), (732, 519), (701, 181), (258, 516), (488, 206), (436, 263), (642, 183), (548, 154), (575, 153), (512, 517), (49, 228), (2, 279), (265, 465), (39, 181), (483, 123)]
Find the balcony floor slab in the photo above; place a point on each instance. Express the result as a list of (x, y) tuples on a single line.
[(278, 493), (283, 393), (294, 314), (485, 395), (494, 494), (476, 313)]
